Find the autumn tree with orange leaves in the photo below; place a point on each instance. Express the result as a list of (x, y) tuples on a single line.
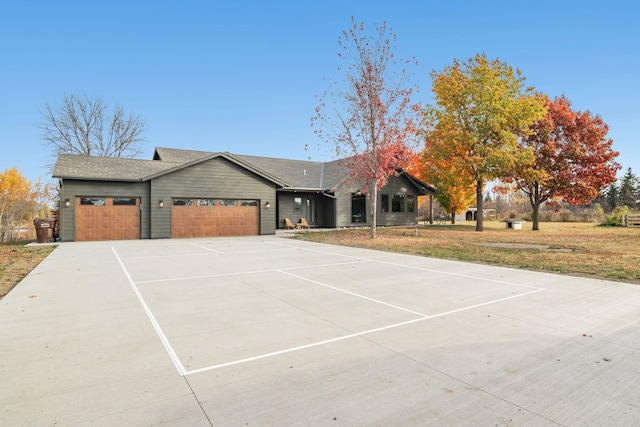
[(573, 158), (20, 201), (369, 116), (482, 109), (456, 188)]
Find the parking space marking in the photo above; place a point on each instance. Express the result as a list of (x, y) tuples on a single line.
[(205, 248), (238, 273), (355, 335), (163, 338), (353, 293), (429, 270), (421, 316)]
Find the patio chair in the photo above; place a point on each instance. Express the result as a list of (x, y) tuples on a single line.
[(289, 224), (303, 224)]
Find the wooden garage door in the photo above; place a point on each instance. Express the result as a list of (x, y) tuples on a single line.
[(107, 218), (214, 217)]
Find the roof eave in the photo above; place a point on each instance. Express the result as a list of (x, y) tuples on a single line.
[(422, 187), (302, 189), (93, 178)]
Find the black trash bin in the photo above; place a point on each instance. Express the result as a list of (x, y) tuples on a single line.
[(45, 229)]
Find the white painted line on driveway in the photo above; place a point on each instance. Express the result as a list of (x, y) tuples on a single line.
[(165, 341), (354, 294), (238, 273), (447, 273), (205, 248), (346, 337)]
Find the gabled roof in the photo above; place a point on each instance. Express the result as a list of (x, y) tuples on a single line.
[(74, 166), (421, 185), (177, 155), (289, 174), (297, 174)]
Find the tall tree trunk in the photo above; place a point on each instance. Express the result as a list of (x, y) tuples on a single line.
[(431, 209), (453, 217), (535, 205), (480, 211), (535, 215)]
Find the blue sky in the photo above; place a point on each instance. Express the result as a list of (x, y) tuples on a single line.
[(244, 76)]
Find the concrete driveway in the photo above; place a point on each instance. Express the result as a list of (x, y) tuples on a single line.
[(272, 331)]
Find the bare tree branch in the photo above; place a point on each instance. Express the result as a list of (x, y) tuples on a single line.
[(86, 126)]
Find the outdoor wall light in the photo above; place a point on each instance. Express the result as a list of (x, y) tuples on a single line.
[(161, 204), (267, 205), (67, 202)]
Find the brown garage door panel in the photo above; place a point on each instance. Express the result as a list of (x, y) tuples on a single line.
[(212, 221), (107, 222)]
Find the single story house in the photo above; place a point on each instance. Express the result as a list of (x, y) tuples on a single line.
[(186, 193)]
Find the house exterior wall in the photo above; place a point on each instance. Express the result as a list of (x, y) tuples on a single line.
[(398, 185), (343, 207), (215, 178), (395, 185), (325, 206), (70, 189), (328, 208)]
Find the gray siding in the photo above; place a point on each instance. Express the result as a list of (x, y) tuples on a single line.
[(343, 207), (70, 189), (398, 185), (324, 209), (395, 185), (286, 209), (215, 178)]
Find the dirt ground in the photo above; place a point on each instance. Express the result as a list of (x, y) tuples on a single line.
[(16, 261)]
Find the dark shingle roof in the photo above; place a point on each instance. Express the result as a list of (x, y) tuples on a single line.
[(297, 174), (290, 174), (107, 168), (177, 155), (70, 166)]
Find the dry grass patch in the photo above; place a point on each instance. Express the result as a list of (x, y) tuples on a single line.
[(582, 249), (16, 261)]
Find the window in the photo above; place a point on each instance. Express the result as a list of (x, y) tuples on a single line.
[(358, 208), (411, 203), (249, 203), (95, 201), (397, 203), (182, 202), (312, 210), (122, 201), (297, 204), (206, 202), (384, 205), (228, 202)]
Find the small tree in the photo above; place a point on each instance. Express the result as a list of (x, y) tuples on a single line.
[(482, 108), (369, 117), (612, 196), (19, 201), (629, 192), (573, 159), (456, 188), (84, 125)]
